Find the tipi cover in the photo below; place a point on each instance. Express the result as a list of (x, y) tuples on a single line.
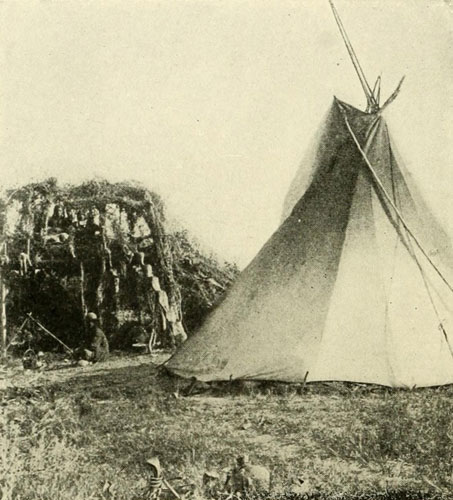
[(353, 286)]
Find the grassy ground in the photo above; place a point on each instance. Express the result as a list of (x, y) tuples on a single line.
[(85, 433)]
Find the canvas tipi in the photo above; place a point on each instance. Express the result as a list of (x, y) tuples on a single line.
[(355, 284)]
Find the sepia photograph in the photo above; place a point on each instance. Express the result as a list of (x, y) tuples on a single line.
[(226, 249)]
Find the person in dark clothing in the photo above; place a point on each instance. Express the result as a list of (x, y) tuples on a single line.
[(98, 349)]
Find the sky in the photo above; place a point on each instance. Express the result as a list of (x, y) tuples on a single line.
[(212, 103)]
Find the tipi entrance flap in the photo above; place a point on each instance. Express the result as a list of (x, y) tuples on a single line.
[(353, 344)]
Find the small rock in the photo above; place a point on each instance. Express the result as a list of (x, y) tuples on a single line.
[(300, 486), (210, 474)]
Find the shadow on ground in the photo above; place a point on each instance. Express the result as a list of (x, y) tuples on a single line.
[(97, 382)]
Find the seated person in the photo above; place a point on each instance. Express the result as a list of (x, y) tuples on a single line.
[(98, 347)]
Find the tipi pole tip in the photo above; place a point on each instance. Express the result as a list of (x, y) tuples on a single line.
[(371, 101), (394, 94)]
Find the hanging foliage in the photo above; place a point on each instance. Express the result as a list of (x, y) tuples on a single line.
[(99, 247)]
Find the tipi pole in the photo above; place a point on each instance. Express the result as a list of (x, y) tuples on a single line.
[(406, 227), (371, 100), (395, 208), (377, 90)]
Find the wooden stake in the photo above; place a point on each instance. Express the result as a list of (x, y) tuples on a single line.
[(3, 293), (82, 289), (100, 291)]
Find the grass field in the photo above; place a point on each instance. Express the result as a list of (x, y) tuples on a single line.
[(84, 433)]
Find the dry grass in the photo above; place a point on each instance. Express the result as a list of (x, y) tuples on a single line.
[(87, 437)]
